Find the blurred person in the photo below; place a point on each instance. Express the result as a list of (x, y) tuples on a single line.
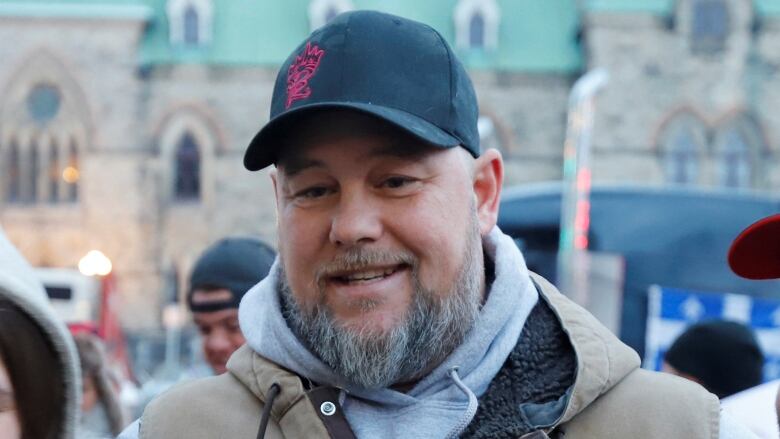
[(723, 356), (39, 370), (220, 278), (755, 254), (396, 307), (102, 414)]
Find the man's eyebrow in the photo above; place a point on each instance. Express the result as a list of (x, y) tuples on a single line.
[(295, 165)]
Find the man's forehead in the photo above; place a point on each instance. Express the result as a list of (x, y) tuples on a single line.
[(379, 138)]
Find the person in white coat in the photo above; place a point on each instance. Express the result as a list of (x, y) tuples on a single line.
[(39, 371)]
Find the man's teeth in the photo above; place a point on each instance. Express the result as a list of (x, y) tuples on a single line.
[(367, 275)]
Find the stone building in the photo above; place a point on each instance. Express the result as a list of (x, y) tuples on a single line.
[(123, 122)]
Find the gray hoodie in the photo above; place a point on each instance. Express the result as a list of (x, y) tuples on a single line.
[(438, 403), (19, 285)]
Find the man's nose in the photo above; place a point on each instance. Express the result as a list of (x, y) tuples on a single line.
[(218, 341), (357, 219)]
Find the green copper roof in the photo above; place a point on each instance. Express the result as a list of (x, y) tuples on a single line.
[(767, 7), (651, 6), (91, 9), (535, 35)]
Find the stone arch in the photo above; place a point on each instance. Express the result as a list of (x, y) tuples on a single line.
[(43, 135)]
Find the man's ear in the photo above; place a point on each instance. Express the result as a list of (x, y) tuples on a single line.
[(488, 180)]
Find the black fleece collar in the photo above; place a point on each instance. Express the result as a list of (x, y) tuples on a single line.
[(533, 386)]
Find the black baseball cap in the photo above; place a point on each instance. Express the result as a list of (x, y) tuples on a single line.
[(398, 70)]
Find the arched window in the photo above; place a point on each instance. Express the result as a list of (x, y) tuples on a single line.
[(187, 169), (476, 24), (41, 120), (71, 174), (13, 182), (737, 146), (682, 158), (54, 173), (31, 192), (323, 11), (477, 31), (709, 26), (734, 161), (682, 148), (191, 26), (190, 22)]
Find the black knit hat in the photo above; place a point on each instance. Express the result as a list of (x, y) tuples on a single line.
[(722, 355), (235, 264)]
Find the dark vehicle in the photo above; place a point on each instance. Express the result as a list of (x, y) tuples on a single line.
[(672, 237)]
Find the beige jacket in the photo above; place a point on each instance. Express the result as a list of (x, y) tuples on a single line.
[(611, 396)]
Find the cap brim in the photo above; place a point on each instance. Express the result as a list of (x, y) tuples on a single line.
[(263, 152), (755, 253)]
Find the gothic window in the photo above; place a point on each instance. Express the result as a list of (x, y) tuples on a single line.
[(190, 22), (709, 26), (476, 24), (683, 144), (53, 175), (682, 160), (737, 145), (31, 189), (71, 174), (39, 122), (477, 31), (322, 11), (191, 26), (187, 169), (13, 182)]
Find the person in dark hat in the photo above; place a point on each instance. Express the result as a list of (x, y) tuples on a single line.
[(397, 308), (220, 278), (723, 356)]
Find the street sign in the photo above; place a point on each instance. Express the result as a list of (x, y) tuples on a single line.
[(672, 310)]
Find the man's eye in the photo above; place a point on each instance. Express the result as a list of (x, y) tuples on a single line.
[(397, 182), (314, 192)]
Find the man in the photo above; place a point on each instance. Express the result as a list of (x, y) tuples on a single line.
[(755, 254), (396, 308), (221, 276)]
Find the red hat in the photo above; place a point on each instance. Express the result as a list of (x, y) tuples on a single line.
[(755, 253)]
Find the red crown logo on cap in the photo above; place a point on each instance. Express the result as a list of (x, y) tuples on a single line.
[(300, 71)]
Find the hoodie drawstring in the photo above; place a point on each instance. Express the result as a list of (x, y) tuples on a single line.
[(272, 393), (471, 409)]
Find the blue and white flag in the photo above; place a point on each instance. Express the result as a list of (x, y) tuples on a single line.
[(672, 310)]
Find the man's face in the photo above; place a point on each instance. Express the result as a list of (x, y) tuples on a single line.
[(369, 219), (219, 330)]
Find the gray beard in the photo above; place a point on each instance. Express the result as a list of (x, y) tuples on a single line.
[(433, 326)]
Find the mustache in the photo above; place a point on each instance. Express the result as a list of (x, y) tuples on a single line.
[(358, 258)]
